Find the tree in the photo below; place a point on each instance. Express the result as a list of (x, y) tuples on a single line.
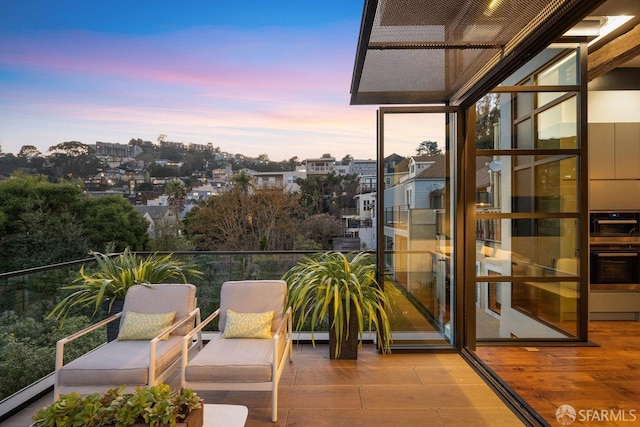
[(266, 219), (488, 115), (319, 229), (428, 148), (42, 223), (319, 193), (177, 196), (111, 223), (346, 159), (243, 181), (29, 151), (73, 159), (38, 222)]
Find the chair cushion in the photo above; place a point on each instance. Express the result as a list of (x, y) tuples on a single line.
[(144, 326), (248, 325), (119, 362), (163, 298), (241, 360)]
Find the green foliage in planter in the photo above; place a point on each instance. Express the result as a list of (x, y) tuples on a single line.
[(27, 348), (114, 275), (338, 281), (156, 406)]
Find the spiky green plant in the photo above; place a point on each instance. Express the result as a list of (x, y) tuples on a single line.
[(114, 275), (335, 281)]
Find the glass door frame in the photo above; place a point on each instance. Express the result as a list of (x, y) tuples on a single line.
[(453, 144)]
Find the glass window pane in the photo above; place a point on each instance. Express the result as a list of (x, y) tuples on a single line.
[(557, 126), (527, 183), (527, 310), (542, 247)]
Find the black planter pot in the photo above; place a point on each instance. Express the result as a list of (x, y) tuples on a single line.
[(113, 328), (349, 348)]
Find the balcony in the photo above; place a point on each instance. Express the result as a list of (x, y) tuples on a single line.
[(485, 387)]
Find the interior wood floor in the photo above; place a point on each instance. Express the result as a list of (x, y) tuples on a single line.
[(605, 379)]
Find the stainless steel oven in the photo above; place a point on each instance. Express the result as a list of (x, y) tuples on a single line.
[(615, 250), (615, 267), (614, 224)]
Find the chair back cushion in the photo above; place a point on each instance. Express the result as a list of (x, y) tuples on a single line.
[(253, 296), (163, 298)]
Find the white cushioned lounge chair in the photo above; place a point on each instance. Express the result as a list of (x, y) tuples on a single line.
[(236, 358), (131, 360)]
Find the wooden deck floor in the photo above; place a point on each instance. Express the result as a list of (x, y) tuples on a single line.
[(604, 379), (393, 390)]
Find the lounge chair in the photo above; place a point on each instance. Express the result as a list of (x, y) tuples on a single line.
[(148, 348), (249, 353)]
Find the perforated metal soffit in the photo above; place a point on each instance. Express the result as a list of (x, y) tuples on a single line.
[(435, 51)]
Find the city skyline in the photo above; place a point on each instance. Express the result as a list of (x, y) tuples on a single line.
[(252, 78)]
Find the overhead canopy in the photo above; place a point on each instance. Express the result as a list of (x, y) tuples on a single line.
[(445, 51)]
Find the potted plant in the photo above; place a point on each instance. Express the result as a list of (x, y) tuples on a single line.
[(153, 406), (114, 275), (343, 290)]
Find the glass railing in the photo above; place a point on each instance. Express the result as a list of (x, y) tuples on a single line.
[(28, 336)]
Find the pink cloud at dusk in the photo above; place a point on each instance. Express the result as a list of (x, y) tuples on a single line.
[(275, 91)]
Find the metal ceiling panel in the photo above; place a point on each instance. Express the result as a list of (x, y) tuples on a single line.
[(432, 52)]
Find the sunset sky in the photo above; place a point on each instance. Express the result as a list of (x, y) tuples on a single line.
[(251, 77)]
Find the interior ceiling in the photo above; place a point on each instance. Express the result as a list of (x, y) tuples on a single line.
[(622, 48), (443, 51)]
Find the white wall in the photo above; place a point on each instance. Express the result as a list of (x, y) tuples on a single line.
[(616, 106)]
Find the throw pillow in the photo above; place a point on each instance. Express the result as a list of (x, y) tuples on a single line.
[(248, 325), (143, 326)]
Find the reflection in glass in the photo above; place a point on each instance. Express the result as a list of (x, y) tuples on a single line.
[(417, 228)]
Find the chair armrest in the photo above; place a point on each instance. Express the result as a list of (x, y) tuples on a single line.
[(283, 323), (190, 316), (61, 342), (202, 324), (90, 328)]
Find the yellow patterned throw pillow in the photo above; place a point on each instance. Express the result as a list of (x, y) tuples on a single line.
[(248, 325), (143, 326)]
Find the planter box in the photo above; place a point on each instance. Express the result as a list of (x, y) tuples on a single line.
[(194, 419)]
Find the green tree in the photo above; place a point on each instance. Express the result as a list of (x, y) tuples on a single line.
[(111, 222), (44, 223), (177, 197), (319, 192), (27, 348), (38, 225), (72, 159), (428, 148), (243, 182)]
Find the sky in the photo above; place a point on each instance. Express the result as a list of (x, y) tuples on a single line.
[(252, 77)]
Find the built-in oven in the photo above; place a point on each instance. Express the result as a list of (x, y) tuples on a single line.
[(614, 224), (615, 250), (615, 267)]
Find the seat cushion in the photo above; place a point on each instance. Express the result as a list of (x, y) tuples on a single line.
[(119, 362), (237, 360)]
